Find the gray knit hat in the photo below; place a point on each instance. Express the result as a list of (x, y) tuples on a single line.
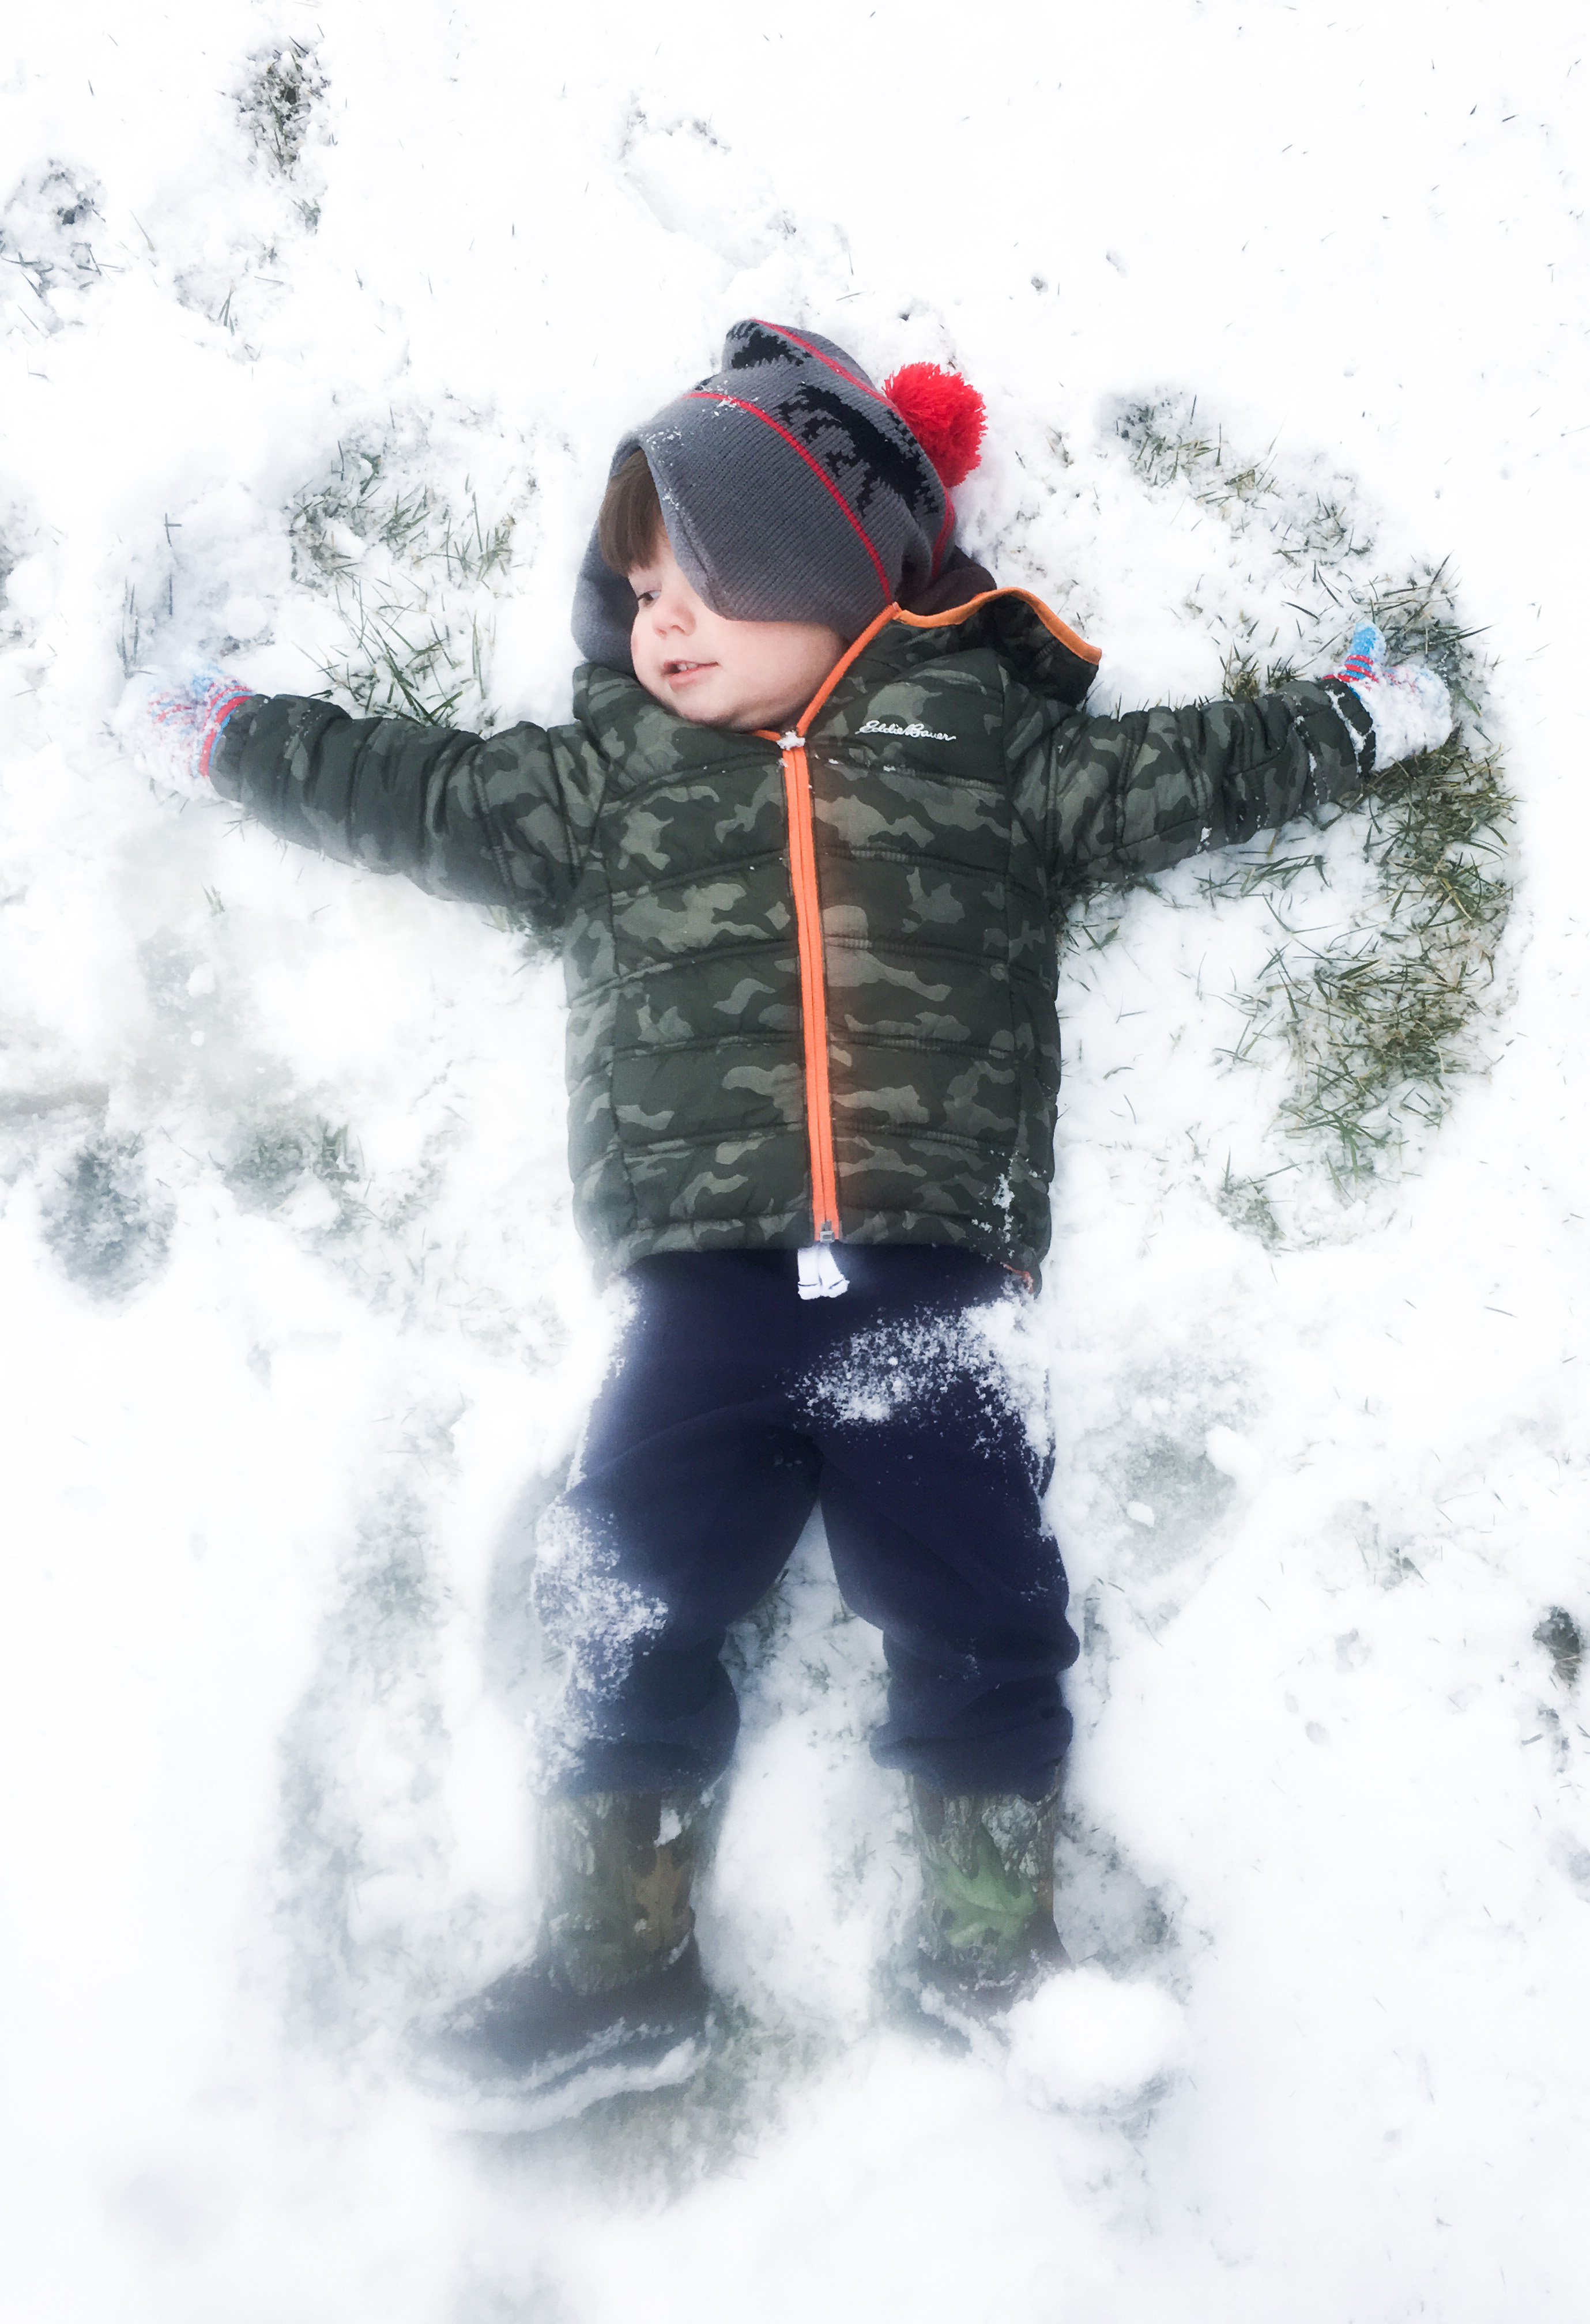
[(793, 490)]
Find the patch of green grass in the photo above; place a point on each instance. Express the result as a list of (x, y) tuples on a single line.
[(1260, 876), (400, 662), (1242, 679), (284, 1149), (284, 85), (413, 577), (412, 523), (1378, 1018), (131, 636), (1162, 442), (1246, 1203), (1167, 447)]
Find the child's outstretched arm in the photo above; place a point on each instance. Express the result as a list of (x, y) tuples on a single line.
[(502, 820), (1118, 796)]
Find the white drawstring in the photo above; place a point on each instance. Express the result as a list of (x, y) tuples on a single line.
[(819, 1273)]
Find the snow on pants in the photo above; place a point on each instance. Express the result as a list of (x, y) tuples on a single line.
[(734, 1407)]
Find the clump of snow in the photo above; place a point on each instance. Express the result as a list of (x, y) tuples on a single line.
[(924, 1360), (1095, 2044), (600, 1618), (1412, 710)]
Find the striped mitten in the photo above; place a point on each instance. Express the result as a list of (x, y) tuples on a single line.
[(175, 727), (1409, 705)]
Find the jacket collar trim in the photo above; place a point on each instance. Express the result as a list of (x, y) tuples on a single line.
[(1051, 619), (1091, 655)]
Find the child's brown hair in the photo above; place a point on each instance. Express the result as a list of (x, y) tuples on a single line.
[(629, 525)]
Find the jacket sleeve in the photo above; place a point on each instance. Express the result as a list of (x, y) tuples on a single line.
[(1111, 798), (506, 820)]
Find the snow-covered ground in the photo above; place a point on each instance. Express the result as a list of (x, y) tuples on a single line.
[(296, 1334)]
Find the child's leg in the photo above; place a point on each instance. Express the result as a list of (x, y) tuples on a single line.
[(932, 1490), (692, 1486), (932, 1497)]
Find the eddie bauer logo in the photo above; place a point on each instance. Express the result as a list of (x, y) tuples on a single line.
[(912, 734)]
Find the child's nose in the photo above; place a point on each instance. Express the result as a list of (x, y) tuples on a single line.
[(672, 611)]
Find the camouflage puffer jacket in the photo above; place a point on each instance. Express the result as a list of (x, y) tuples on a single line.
[(811, 977)]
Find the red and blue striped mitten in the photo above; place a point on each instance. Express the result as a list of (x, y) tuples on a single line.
[(1409, 705), (182, 722)]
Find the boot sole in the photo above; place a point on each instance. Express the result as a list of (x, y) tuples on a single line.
[(509, 2107)]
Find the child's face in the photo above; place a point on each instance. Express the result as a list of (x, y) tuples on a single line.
[(717, 672)]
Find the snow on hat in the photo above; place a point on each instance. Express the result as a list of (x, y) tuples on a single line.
[(793, 490)]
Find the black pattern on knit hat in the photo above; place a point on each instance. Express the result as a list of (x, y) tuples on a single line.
[(792, 491)]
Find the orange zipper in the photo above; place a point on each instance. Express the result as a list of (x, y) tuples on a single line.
[(809, 940), (814, 990)]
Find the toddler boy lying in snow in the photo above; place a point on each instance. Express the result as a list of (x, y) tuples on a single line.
[(824, 794)]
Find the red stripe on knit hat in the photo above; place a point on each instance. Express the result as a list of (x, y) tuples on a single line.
[(782, 331), (708, 395)]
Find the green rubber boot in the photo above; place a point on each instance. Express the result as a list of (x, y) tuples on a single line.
[(984, 1935), (613, 1999)]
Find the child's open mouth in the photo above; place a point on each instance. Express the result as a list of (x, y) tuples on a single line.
[(681, 672)]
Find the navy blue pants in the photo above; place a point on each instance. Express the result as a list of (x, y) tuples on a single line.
[(734, 1407)]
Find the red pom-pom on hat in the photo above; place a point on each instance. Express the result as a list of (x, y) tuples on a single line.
[(945, 413)]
